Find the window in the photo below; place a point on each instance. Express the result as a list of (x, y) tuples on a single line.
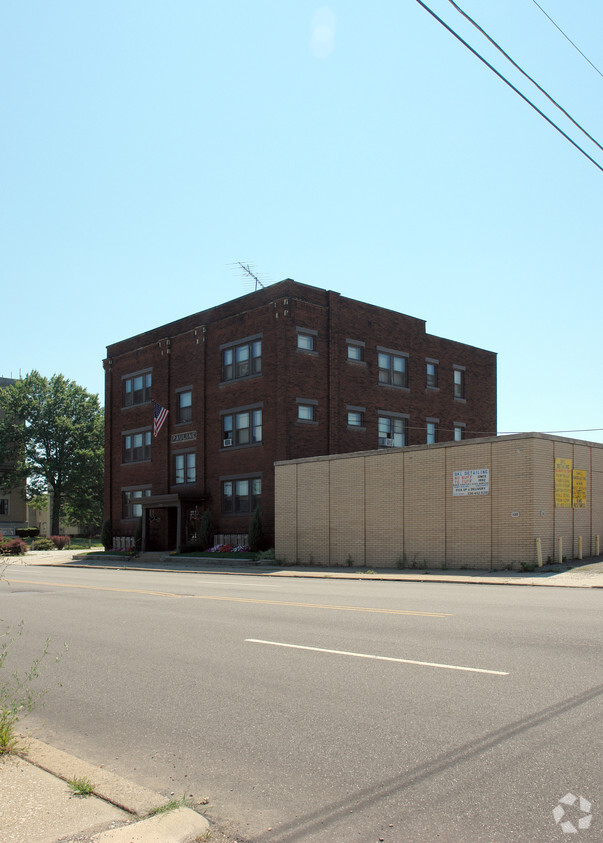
[(306, 342), (459, 432), (355, 418), (184, 468), (432, 374), (130, 502), (306, 412), (137, 389), (137, 446), (392, 369), (243, 428), (185, 406), (431, 432), (459, 383), (242, 361), (3, 506), (241, 496), (355, 352), (393, 431)]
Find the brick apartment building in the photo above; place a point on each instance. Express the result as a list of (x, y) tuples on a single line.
[(286, 372)]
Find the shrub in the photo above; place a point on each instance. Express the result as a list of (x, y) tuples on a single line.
[(205, 532), (27, 532), (60, 541), (14, 547), (107, 535), (44, 544), (256, 532), (138, 537)]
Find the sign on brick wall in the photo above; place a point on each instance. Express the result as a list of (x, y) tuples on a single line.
[(563, 483), (184, 437), (579, 489), (473, 481)]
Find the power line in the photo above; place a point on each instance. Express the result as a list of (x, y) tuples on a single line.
[(533, 81), (506, 81), (567, 38)]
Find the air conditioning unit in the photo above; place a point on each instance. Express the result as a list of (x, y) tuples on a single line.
[(385, 442), (227, 443)]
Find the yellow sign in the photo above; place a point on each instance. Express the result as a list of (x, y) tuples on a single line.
[(563, 483), (579, 489)]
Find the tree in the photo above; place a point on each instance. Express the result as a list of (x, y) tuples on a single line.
[(52, 440)]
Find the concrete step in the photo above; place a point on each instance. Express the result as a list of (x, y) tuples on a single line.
[(152, 556)]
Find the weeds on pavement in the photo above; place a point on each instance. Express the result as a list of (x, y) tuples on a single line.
[(81, 787), (19, 695), (169, 806)]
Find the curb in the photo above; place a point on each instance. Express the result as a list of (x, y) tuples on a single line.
[(179, 825), (439, 578)]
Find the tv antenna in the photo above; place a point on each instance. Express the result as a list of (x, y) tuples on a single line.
[(247, 269)]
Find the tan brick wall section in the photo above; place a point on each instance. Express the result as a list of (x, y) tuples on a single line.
[(285, 494), (313, 508), (425, 526), (382, 508), (347, 511)]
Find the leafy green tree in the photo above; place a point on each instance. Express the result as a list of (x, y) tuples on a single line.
[(52, 440), (85, 506)]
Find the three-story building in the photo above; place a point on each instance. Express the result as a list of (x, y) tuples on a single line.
[(288, 371)]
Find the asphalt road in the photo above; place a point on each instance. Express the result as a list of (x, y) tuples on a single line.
[(398, 711)]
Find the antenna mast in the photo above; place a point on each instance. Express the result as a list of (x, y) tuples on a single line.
[(252, 274)]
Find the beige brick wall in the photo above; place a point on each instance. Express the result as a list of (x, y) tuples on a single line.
[(468, 519), (312, 493), (384, 483), (424, 506), (347, 511), (383, 508), (597, 495), (286, 525)]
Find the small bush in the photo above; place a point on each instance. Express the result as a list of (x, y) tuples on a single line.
[(107, 535), (205, 533), (27, 532), (137, 538), (60, 541), (256, 531), (14, 547), (44, 544)]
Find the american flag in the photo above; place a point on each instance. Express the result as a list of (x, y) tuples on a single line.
[(159, 416)]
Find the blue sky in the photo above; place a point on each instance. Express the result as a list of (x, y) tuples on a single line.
[(147, 147)]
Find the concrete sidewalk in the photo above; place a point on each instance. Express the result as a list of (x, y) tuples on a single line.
[(585, 574), (38, 806)]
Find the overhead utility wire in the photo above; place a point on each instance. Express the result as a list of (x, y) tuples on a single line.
[(513, 88), (567, 38), (533, 81)]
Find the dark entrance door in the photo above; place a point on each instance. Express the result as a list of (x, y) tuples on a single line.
[(162, 524)]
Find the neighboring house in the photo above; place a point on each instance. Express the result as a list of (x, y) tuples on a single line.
[(42, 519), (286, 372), (13, 507)]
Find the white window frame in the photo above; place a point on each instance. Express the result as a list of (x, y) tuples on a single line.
[(185, 468)]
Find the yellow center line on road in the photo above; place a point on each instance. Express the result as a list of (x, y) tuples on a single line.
[(238, 599)]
